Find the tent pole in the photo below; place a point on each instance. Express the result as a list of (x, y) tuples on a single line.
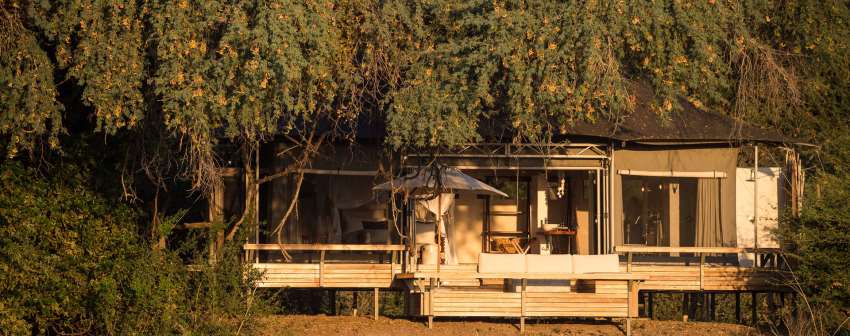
[(755, 204)]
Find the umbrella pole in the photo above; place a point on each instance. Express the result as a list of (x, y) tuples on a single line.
[(439, 234)]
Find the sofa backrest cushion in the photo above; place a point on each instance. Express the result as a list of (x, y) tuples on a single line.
[(501, 263), (553, 263), (603, 263)]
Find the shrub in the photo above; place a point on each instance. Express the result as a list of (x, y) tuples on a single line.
[(820, 238), (72, 262)]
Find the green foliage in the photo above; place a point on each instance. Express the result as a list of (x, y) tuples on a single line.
[(71, 262), (820, 237), (202, 71)]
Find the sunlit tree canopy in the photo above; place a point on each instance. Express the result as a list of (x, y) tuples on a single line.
[(244, 71)]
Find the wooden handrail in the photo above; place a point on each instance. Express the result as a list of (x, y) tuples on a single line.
[(690, 249), (523, 275), (326, 247)]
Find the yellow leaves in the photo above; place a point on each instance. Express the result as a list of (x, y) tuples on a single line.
[(668, 105), (739, 40), (428, 72), (264, 83), (696, 102), (635, 20), (183, 4), (178, 79), (199, 92), (680, 59), (552, 46), (252, 65)]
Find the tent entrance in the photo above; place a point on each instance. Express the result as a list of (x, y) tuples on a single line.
[(671, 211)]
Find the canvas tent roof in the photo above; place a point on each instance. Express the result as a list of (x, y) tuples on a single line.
[(688, 124)]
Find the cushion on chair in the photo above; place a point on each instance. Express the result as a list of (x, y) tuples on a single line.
[(603, 263), (553, 263), (501, 263)]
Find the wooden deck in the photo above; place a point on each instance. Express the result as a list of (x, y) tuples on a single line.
[(667, 276)]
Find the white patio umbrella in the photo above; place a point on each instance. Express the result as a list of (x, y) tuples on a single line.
[(438, 180)]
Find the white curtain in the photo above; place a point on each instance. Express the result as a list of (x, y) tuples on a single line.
[(346, 193), (440, 207)]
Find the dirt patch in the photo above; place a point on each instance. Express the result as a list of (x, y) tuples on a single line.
[(321, 325)]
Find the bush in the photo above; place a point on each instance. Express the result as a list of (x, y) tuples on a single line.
[(72, 262), (820, 238)]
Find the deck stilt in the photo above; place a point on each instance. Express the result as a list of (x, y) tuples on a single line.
[(738, 307), (430, 321), (628, 326), (334, 303), (651, 306), (712, 307), (522, 324), (354, 304), (685, 308), (753, 309), (375, 304)]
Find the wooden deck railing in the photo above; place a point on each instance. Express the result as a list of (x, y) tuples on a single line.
[(326, 247), (703, 276), (331, 275)]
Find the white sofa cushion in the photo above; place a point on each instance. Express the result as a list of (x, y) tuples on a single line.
[(501, 263), (554, 263), (603, 263)]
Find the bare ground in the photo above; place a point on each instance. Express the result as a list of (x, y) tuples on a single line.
[(322, 325)]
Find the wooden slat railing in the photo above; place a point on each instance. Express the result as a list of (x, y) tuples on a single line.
[(630, 250), (392, 249), (325, 247), (691, 249)]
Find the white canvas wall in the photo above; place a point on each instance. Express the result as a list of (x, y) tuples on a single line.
[(769, 208)]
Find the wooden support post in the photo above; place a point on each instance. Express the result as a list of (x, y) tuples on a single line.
[(354, 304), (651, 306), (738, 307), (712, 305), (632, 306), (375, 304), (701, 270), (321, 268), (334, 303), (685, 307), (430, 321), (754, 309), (522, 306)]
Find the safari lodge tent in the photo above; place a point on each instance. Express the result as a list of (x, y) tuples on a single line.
[(590, 225)]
